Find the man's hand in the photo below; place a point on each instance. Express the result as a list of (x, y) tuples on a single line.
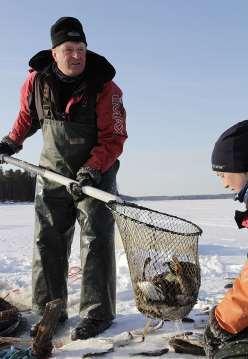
[(86, 176), (8, 147)]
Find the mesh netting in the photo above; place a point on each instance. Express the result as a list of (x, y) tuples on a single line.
[(10, 317), (162, 254)]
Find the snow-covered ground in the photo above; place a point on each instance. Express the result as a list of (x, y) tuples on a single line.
[(222, 249)]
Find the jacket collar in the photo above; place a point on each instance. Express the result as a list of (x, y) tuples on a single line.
[(97, 67)]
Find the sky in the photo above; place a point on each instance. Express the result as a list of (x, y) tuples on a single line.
[(182, 67)]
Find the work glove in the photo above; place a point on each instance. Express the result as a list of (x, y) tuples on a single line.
[(86, 176), (8, 147), (215, 336)]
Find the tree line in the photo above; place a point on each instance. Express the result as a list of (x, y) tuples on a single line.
[(17, 186)]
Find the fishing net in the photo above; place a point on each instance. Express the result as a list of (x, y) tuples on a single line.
[(162, 254), (10, 317), (16, 353)]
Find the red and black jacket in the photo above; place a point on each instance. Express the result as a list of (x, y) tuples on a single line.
[(109, 110)]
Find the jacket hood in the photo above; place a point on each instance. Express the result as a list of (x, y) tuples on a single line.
[(97, 66)]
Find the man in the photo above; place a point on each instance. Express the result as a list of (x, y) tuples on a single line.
[(70, 95), (227, 331)]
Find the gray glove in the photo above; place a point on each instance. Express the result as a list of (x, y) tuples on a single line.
[(8, 147), (215, 337), (86, 176)]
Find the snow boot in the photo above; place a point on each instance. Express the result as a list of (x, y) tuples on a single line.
[(89, 327)]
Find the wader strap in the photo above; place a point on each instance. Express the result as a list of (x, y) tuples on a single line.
[(46, 102)]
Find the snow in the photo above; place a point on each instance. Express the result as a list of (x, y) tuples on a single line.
[(222, 250)]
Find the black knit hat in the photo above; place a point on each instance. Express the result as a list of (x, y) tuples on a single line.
[(67, 29), (230, 152)]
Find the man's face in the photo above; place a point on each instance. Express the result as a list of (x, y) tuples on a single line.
[(233, 181), (70, 57)]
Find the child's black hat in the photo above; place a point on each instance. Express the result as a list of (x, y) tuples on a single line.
[(230, 152)]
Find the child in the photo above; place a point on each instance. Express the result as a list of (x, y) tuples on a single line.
[(228, 321)]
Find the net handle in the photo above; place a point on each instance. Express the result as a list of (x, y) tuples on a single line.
[(58, 178)]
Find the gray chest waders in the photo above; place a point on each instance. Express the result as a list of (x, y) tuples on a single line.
[(66, 147)]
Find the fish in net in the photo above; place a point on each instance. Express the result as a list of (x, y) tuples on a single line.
[(162, 255)]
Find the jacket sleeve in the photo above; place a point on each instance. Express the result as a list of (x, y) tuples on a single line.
[(232, 312), (111, 125), (23, 125)]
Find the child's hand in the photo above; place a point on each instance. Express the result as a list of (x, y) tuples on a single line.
[(245, 223), (241, 218)]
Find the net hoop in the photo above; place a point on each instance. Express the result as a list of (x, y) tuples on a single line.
[(113, 205)]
